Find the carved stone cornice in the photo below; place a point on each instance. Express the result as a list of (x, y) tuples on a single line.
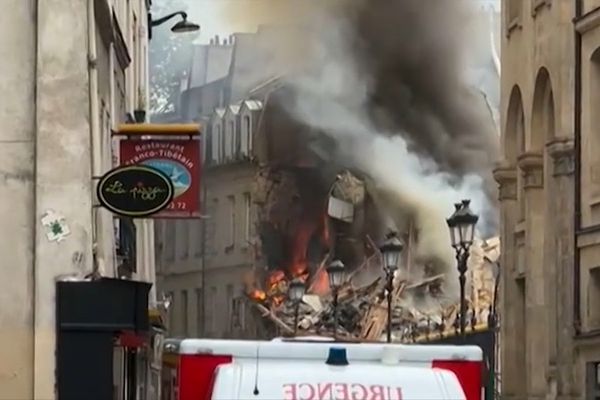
[(506, 176), (562, 151), (532, 166)]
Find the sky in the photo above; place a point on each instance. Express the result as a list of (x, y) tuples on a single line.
[(210, 15)]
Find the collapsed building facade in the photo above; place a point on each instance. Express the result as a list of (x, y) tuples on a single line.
[(308, 210)]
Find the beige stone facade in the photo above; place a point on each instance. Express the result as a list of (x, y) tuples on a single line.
[(71, 72), (548, 181)]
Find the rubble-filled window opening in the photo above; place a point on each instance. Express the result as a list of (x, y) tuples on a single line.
[(247, 148), (247, 217), (231, 240), (199, 316), (184, 312)]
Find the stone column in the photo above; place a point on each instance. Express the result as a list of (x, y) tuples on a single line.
[(563, 174), (532, 167), (512, 353), (62, 171)]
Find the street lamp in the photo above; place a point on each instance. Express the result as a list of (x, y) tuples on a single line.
[(180, 27), (462, 231), (391, 250), (296, 292), (336, 272)]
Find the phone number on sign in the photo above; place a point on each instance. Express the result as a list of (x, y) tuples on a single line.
[(177, 205)]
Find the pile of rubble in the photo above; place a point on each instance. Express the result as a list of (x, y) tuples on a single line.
[(419, 305)]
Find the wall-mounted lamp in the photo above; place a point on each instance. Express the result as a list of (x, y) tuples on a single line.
[(180, 27)]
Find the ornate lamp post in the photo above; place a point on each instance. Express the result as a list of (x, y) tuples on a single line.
[(296, 291), (391, 250), (336, 272), (462, 231)]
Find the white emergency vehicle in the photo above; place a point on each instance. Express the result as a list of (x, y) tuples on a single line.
[(203, 369)]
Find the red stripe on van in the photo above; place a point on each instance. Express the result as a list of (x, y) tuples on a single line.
[(196, 375), (469, 374)]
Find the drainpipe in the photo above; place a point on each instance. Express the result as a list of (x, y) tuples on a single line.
[(577, 156), (96, 140)]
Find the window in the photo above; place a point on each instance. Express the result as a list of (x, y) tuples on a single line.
[(170, 238), (592, 380), (213, 302), (237, 143), (233, 137), (231, 201), (197, 236), (183, 239), (247, 217), (217, 143), (171, 297), (208, 155), (229, 299), (513, 13), (223, 153), (199, 314), (247, 135), (184, 312)]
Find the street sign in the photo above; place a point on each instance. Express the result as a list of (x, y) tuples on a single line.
[(135, 191)]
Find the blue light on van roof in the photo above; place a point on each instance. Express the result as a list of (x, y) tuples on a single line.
[(337, 356)]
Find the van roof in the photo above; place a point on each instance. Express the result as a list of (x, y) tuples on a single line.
[(275, 380), (320, 350)]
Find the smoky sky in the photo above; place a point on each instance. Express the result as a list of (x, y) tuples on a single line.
[(413, 52)]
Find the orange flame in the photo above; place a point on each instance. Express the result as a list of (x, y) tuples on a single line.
[(320, 284), (258, 295)]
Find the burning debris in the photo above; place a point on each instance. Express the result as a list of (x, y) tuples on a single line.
[(303, 231)]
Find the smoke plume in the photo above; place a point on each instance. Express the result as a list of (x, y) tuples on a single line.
[(386, 80)]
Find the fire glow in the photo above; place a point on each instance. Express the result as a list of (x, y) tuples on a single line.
[(299, 264)]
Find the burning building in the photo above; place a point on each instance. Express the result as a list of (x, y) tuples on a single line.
[(311, 210)]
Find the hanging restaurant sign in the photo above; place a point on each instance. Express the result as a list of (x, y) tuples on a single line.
[(173, 149), (135, 191)]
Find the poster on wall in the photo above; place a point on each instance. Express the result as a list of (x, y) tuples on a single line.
[(180, 160)]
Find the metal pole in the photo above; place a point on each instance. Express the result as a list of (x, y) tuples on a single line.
[(390, 284), (462, 256), (203, 259), (296, 310), (335, 312)]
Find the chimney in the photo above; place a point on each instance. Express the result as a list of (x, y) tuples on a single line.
[(217, 41), (225, 42), (212, 41)]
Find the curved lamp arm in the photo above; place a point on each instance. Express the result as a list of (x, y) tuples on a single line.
[(164, 19)]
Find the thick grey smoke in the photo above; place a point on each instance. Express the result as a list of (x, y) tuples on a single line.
[(386, 80)]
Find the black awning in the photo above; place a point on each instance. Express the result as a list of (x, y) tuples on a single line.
[(103, 305)]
